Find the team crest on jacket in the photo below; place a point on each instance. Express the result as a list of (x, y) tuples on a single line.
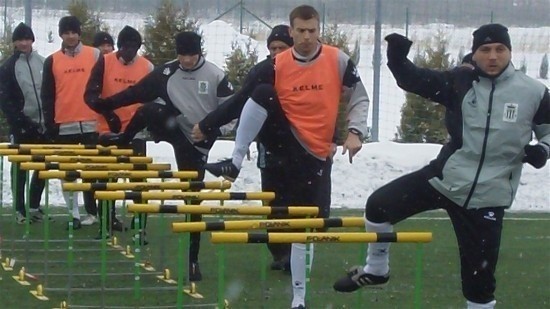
[(166, 71), (203, 87), (510, 112)]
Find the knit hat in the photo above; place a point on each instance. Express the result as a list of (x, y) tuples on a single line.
[(128, 35), (69, 23), (188, 43), (491, 33), (22, 32), (280, 33), (101, 38)]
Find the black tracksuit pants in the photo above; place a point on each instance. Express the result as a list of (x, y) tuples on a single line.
[(477, 231)]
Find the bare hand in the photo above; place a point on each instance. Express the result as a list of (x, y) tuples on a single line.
[(352, 144), (196, 134)]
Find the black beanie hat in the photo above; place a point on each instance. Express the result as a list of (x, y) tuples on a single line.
[(21, 32), (101, 38), (69, 23), (491, 33), (188, 43), (128, 35), (280, 33)]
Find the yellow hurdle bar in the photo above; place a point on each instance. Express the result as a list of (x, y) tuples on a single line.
[(68, 152), (402, 237), (79, 159), (54, 146), (116, 174), (243, 210), (95, 166), (145, 186), (183, 227), (178, 195)]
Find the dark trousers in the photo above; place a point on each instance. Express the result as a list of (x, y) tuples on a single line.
[(158, 119), (478, 231), (19, 179), (297, 177), (139, 146), (89, 139)]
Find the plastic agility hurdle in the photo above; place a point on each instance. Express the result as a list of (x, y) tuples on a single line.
[(78, 159), (54, 146), (67, 152), (55, 156), (220, 210), (95, 166), (117, 174), (175, 195), (145, 186), (184, 227), (400, 237)]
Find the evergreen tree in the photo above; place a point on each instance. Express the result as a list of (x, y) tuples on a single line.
[(338, 38), (422, 121), (523, 66), (543, 70), (161, 29), (239, 62), (91, 22)]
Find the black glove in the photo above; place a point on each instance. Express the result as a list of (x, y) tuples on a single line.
[(52, 131), (536, 155), (113, 121), (101, 105), (398, 47)]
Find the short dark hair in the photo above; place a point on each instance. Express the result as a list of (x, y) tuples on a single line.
[(305, 12)]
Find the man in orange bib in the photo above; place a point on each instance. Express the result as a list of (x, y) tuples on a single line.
[(67, 118), (113, 73), (293, 112)]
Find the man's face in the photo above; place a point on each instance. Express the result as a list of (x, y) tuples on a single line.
[(70, 39), (492, 58), (106, 48), (276, 47), (128, 51), (24, 46), (305, 34), (188, 61)]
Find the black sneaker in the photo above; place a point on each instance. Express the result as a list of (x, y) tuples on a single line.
[(118, 226), (356, 278), (76, 224), (112, 139), (194, 272), (224, 168), (299, 307)]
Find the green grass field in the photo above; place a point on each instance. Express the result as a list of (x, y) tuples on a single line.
[(523, 272)]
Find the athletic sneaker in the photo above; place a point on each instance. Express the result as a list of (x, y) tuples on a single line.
[(37, 215), (194, 272), (356, 278), (89, 220), (76, 224), (299, 307), (20, 218), (224, 168)]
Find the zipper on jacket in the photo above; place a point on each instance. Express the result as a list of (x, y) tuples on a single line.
[(484, 147), (35, 92)]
